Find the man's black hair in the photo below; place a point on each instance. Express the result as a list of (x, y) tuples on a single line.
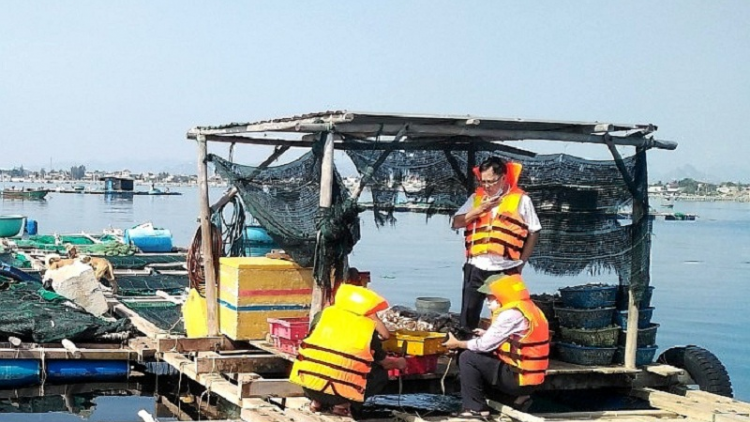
[(497, 165)]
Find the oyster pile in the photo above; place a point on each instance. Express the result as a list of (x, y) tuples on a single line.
[(405, 318)]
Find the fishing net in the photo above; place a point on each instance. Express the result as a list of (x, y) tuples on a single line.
[(576, 199), (285, 201), (33, 314), (131, 285), (140, 261), (165, 315)]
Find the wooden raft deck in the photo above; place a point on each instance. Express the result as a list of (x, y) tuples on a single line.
[(252, 375)]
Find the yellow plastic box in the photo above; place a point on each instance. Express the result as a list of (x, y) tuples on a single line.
[(253, 289), (418, 343)]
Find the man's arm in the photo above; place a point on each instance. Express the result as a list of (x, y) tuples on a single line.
[(462, 220), (528, 246)]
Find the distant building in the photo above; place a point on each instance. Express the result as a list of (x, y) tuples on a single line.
[(117, 184)]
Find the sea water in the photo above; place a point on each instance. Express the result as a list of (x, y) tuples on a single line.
[(699, 269)]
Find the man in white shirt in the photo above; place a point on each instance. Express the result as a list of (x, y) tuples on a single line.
[(502, 229)]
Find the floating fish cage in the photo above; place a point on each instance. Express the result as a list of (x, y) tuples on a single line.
[(589, 296)]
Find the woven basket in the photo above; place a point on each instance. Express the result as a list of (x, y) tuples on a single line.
[(643, 355), (622, 298), (603, 337), (644, 318), (583, 355), (589, 296), (646, 336), (585, 318)]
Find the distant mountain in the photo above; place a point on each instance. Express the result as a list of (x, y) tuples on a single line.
[(715, 174)]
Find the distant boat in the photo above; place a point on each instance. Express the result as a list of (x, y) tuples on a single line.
[(667, 201), (24, 193)]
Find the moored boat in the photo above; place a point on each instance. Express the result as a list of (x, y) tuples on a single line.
[(24, 193)]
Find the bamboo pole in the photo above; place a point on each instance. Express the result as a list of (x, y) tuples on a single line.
[(209, 266), (321, 293)]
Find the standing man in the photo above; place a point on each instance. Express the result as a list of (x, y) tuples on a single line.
[(502, 229)]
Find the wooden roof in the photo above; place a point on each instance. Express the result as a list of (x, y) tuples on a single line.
[(367, 126)]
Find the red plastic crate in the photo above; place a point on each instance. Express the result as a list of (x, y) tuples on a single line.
[(288, 328), (286, 345), (417, 365)]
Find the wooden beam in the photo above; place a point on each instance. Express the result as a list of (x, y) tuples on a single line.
[(62, 353), (184, 344), (209, 266), (321, 293), (513, 413), (213, 362), (263, 388), (496, 134), (143, 325), (214, 382), (704, 411), (607, 414)]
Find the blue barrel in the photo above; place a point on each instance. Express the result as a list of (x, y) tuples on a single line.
[(19, 372), (257, 242), (61, 371), (31, 227), (149, 239)]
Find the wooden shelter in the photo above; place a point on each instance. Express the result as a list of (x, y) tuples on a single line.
[(385, 131)]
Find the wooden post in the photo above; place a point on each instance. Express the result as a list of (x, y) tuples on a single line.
[(640, 249), (320, 293), (209, 266)]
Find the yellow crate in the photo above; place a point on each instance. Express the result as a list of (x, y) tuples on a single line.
[(418, 343), (253, 289)]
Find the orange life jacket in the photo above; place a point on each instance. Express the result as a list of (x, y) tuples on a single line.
[(336, 357), (527, 355), (503, 233)]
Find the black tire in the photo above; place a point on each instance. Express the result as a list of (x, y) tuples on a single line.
[(703, 367)]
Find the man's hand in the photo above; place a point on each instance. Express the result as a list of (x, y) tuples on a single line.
[(479, 332), (391, 362), (454, 343)]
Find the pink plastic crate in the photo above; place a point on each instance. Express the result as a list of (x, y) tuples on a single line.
[(417, 365), (286, 345), (288, 328)]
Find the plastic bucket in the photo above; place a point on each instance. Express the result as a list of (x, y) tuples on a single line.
[(646, 336), (440, 305), (582, 355), (644, 318), (31, 227)]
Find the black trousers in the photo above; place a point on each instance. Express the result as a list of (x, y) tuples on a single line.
[(377, 380), (471, 300), (480, 372)]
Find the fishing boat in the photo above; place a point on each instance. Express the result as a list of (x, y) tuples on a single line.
[(11, 225), (27, 193)]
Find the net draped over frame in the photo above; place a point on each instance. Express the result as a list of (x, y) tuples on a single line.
[(576, 199)]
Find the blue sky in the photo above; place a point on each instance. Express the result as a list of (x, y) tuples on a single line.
[(116, 81)]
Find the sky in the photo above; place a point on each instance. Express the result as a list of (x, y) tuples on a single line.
[(121, 82)]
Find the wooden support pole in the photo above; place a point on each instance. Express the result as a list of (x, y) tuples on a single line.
[(641, 250), (209, 266), (321, 293)]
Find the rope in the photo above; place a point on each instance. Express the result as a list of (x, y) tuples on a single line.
[(195, 267)]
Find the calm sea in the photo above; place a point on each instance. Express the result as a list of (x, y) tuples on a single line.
[(699, 269)]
